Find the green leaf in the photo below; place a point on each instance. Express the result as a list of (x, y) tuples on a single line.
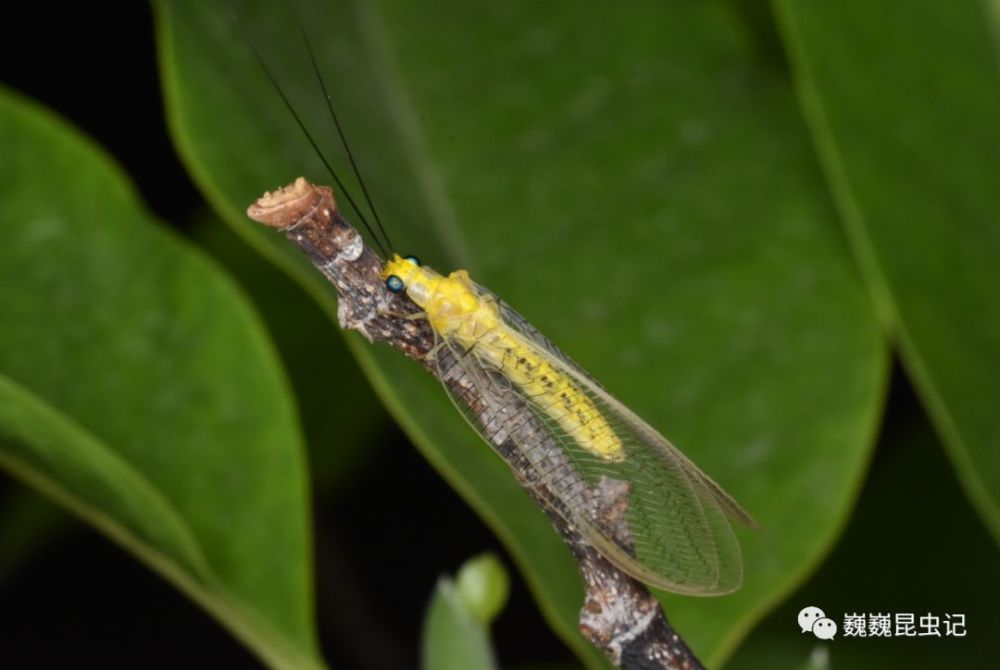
[(639, 184), (484, 586), (30, 523), (340, 429), (137, 389), (915, 546), (456, 625), (904, 105)]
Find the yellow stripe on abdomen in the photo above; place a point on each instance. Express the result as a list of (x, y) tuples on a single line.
[(458, 314), (553, 392)]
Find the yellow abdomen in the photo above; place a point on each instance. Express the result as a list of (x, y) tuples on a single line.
[(459, 314), (549, 389)]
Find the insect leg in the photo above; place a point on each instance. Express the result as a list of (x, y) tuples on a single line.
[(409, 316)]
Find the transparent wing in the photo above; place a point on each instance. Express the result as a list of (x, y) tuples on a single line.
[(654, 513), (501, 417), (522, 326), (518, 323)]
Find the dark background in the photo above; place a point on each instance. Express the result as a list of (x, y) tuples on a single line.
[(79, 600)]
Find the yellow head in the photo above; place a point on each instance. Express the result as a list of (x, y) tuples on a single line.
[(444, 299), (406, 274)]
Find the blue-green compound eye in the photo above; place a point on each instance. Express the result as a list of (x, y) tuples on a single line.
[(412, 259), (394, 284)]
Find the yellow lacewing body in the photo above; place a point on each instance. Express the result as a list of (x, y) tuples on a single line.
[(625, 487)]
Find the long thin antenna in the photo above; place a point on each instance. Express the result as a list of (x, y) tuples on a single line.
[(312, 141), (340, 130)]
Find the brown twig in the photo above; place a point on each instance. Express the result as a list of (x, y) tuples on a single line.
[(620, 615)]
